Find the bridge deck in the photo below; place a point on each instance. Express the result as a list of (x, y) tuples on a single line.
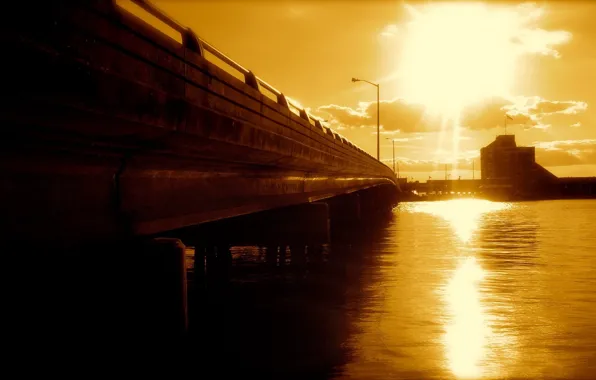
[(111, 127)]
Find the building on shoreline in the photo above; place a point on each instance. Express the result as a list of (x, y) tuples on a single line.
[(509, 171)]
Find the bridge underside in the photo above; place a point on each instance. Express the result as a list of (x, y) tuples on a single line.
[(62, 195), (110, 129)]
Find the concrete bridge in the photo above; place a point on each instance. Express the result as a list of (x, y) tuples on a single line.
[(445, 186), (112, 128)]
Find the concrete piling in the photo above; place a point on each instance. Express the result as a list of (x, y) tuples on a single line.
[(166, 293)]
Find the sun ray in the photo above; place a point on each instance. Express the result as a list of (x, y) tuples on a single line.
[(455, 144), (456, 53), (442, 134)]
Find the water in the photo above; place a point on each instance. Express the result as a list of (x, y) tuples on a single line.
[(460, 289)]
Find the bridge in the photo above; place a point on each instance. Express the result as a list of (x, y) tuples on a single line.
[(112, 128), (446, 186)]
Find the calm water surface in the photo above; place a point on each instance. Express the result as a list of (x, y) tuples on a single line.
[(461, 289)]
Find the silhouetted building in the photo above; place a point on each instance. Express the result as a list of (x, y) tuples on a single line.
[(511, 171), (403, 182), (578, 187)]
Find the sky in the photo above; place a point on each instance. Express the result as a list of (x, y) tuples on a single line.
[(449, 73)]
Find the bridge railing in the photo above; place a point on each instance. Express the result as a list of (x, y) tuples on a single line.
[(130, 61), (135, 127), (198, 45)]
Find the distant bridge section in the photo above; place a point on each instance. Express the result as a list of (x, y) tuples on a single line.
[(111, 128), (444, 186)]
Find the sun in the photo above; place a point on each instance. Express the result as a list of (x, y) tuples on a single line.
[(457, 53)]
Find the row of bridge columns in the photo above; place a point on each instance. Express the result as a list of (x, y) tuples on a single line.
[(290, 235), (140, 286)]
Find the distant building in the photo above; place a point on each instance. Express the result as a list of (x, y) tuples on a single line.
[(578, 187), (511, 171), (402, 182)]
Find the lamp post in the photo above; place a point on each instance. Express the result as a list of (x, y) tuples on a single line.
[(393, 143), (378, 115)]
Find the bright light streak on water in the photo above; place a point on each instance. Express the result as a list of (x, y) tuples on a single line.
[(461, 289)]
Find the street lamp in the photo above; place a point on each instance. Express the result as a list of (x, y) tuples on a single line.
[(378, 118), (393, 142), (394, 162)]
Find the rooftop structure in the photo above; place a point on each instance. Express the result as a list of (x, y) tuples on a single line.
[(511, 171)]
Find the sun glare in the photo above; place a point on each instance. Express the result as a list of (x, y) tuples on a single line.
[(455, 54), (462, 214), (467, 332)]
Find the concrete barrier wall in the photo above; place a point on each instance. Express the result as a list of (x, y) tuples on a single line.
[(127, 117)]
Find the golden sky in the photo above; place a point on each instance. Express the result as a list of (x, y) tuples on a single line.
[(448, 72)]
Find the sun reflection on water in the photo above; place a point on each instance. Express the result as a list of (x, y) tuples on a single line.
[(467, 329), (462, 214), (470, 343)]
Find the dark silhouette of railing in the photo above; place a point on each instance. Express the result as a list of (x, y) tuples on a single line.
[(113, 127), (194, 43)]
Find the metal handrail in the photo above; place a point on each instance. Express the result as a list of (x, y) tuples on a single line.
[(269, 87), (281, 98), (198, 44), (211, 49), (161, 15), (250, 78)]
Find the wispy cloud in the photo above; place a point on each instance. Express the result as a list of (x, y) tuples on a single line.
[(528, 111), (428, 166), (389, 30), (406, 117), (548, 107), (566, 152), (396, 115), (541, 41)]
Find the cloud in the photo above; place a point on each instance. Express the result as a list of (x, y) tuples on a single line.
[(421, 166), (525, 110), (530, 39), (389, 30), (566, 152), (576, 125), (400, 115), (512, 29), (568, 144), (547, 157), (540, 41), (569, 107), (491, 114), (548, 153), (396, 115), (406, 139), (345, 115), (428, 166)]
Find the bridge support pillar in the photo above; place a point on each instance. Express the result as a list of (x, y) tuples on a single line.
[(199, 267), (271, 255), (298, 256), (164, 294), (377, 200), (344, 213)]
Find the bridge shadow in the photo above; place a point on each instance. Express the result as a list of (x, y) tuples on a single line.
[(269, 311), (280, 312)]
